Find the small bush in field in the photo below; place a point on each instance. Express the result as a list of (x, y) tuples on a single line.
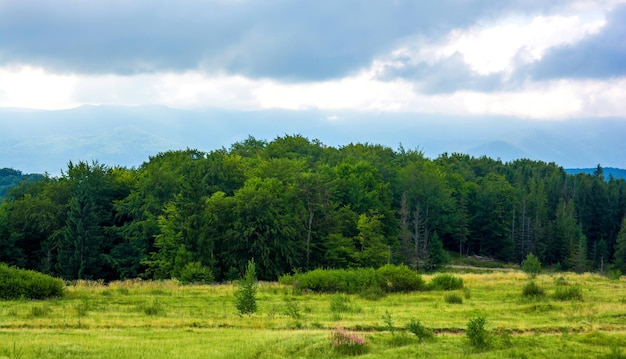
[(445, 281), (531, 289), (196, 273), (347, 343), (400, 279), (563, 293), (531, 265), (339, 304), (417, 328), (476, 333), (453, 298), (21, 283)]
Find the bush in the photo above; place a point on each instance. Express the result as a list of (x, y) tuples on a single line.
[(21, 283), (417, 328), (476, 333), (388, 279), (531, 289), (400, 279), (445, 281), (563, 293), (453, 298), (338, 280), (531, 265), (347, 343), (195, 272)]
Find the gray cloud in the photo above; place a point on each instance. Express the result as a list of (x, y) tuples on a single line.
[(445, 76), (600, 56), (289, 40)]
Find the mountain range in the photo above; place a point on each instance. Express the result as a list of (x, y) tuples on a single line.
[(38, 141)]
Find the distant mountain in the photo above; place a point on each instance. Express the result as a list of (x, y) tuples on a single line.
[(37, 141), (607, 171), (10, 178)]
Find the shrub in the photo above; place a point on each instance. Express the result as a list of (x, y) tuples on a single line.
[(195, 272), (399, 279), (531, 289), (531, 265), (563, 293), (445, 281), (21, 283), (476, 333), (338, 280), (453, 298), (417, 328), (246, 292), (347, 343)]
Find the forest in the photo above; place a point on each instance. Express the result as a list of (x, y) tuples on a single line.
[(294, 204)]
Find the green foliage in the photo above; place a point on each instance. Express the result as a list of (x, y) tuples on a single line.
[(296, 204), (421, 331), (477, 335), (531, 289), (20, 283), (531, 265), (620, 248), (445, 281), (389, 323), (436, 253), (195, 272), (338, 280), (400, 279), (453, 298), (564, 293), (246, 291), (387, 279)]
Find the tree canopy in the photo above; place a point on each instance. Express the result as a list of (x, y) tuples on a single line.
[(295, 204)]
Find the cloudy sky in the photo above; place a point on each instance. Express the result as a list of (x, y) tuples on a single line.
[(531, 59)]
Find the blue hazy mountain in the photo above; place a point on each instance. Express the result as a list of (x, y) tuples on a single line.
[(606, 171), (36, 141)]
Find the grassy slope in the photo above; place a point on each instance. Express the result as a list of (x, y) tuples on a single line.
[(166, 320)]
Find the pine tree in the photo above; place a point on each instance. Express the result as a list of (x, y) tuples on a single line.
[(246, 291), (78, 256), (620, 249)]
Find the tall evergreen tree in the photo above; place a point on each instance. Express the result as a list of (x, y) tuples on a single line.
[(79, 250)]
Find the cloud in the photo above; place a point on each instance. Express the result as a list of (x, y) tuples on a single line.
[(602, 55), (281, 39), (484, 57)]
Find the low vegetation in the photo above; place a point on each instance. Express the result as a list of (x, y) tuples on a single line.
[(20, 283), (166, 319)]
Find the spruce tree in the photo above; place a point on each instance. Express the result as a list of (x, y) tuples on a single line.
[(620, 248), (246, 291)]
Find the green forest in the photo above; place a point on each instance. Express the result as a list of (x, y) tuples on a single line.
[(295, 204)]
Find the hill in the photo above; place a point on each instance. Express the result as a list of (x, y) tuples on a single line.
[(44, 141), (607, 171)]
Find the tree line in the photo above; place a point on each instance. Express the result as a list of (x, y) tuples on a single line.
[(295, 204)]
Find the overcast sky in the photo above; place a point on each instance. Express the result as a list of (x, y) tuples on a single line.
[(533, 59)]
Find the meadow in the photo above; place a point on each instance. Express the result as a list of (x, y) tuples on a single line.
[(165, 319)]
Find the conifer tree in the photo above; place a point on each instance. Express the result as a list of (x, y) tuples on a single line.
[(246, 291)]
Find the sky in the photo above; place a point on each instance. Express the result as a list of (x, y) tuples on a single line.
[(528, 59)]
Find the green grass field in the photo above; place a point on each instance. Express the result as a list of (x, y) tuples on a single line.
[(144, 319)]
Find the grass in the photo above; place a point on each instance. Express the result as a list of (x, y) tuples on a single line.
[(167, 320)]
